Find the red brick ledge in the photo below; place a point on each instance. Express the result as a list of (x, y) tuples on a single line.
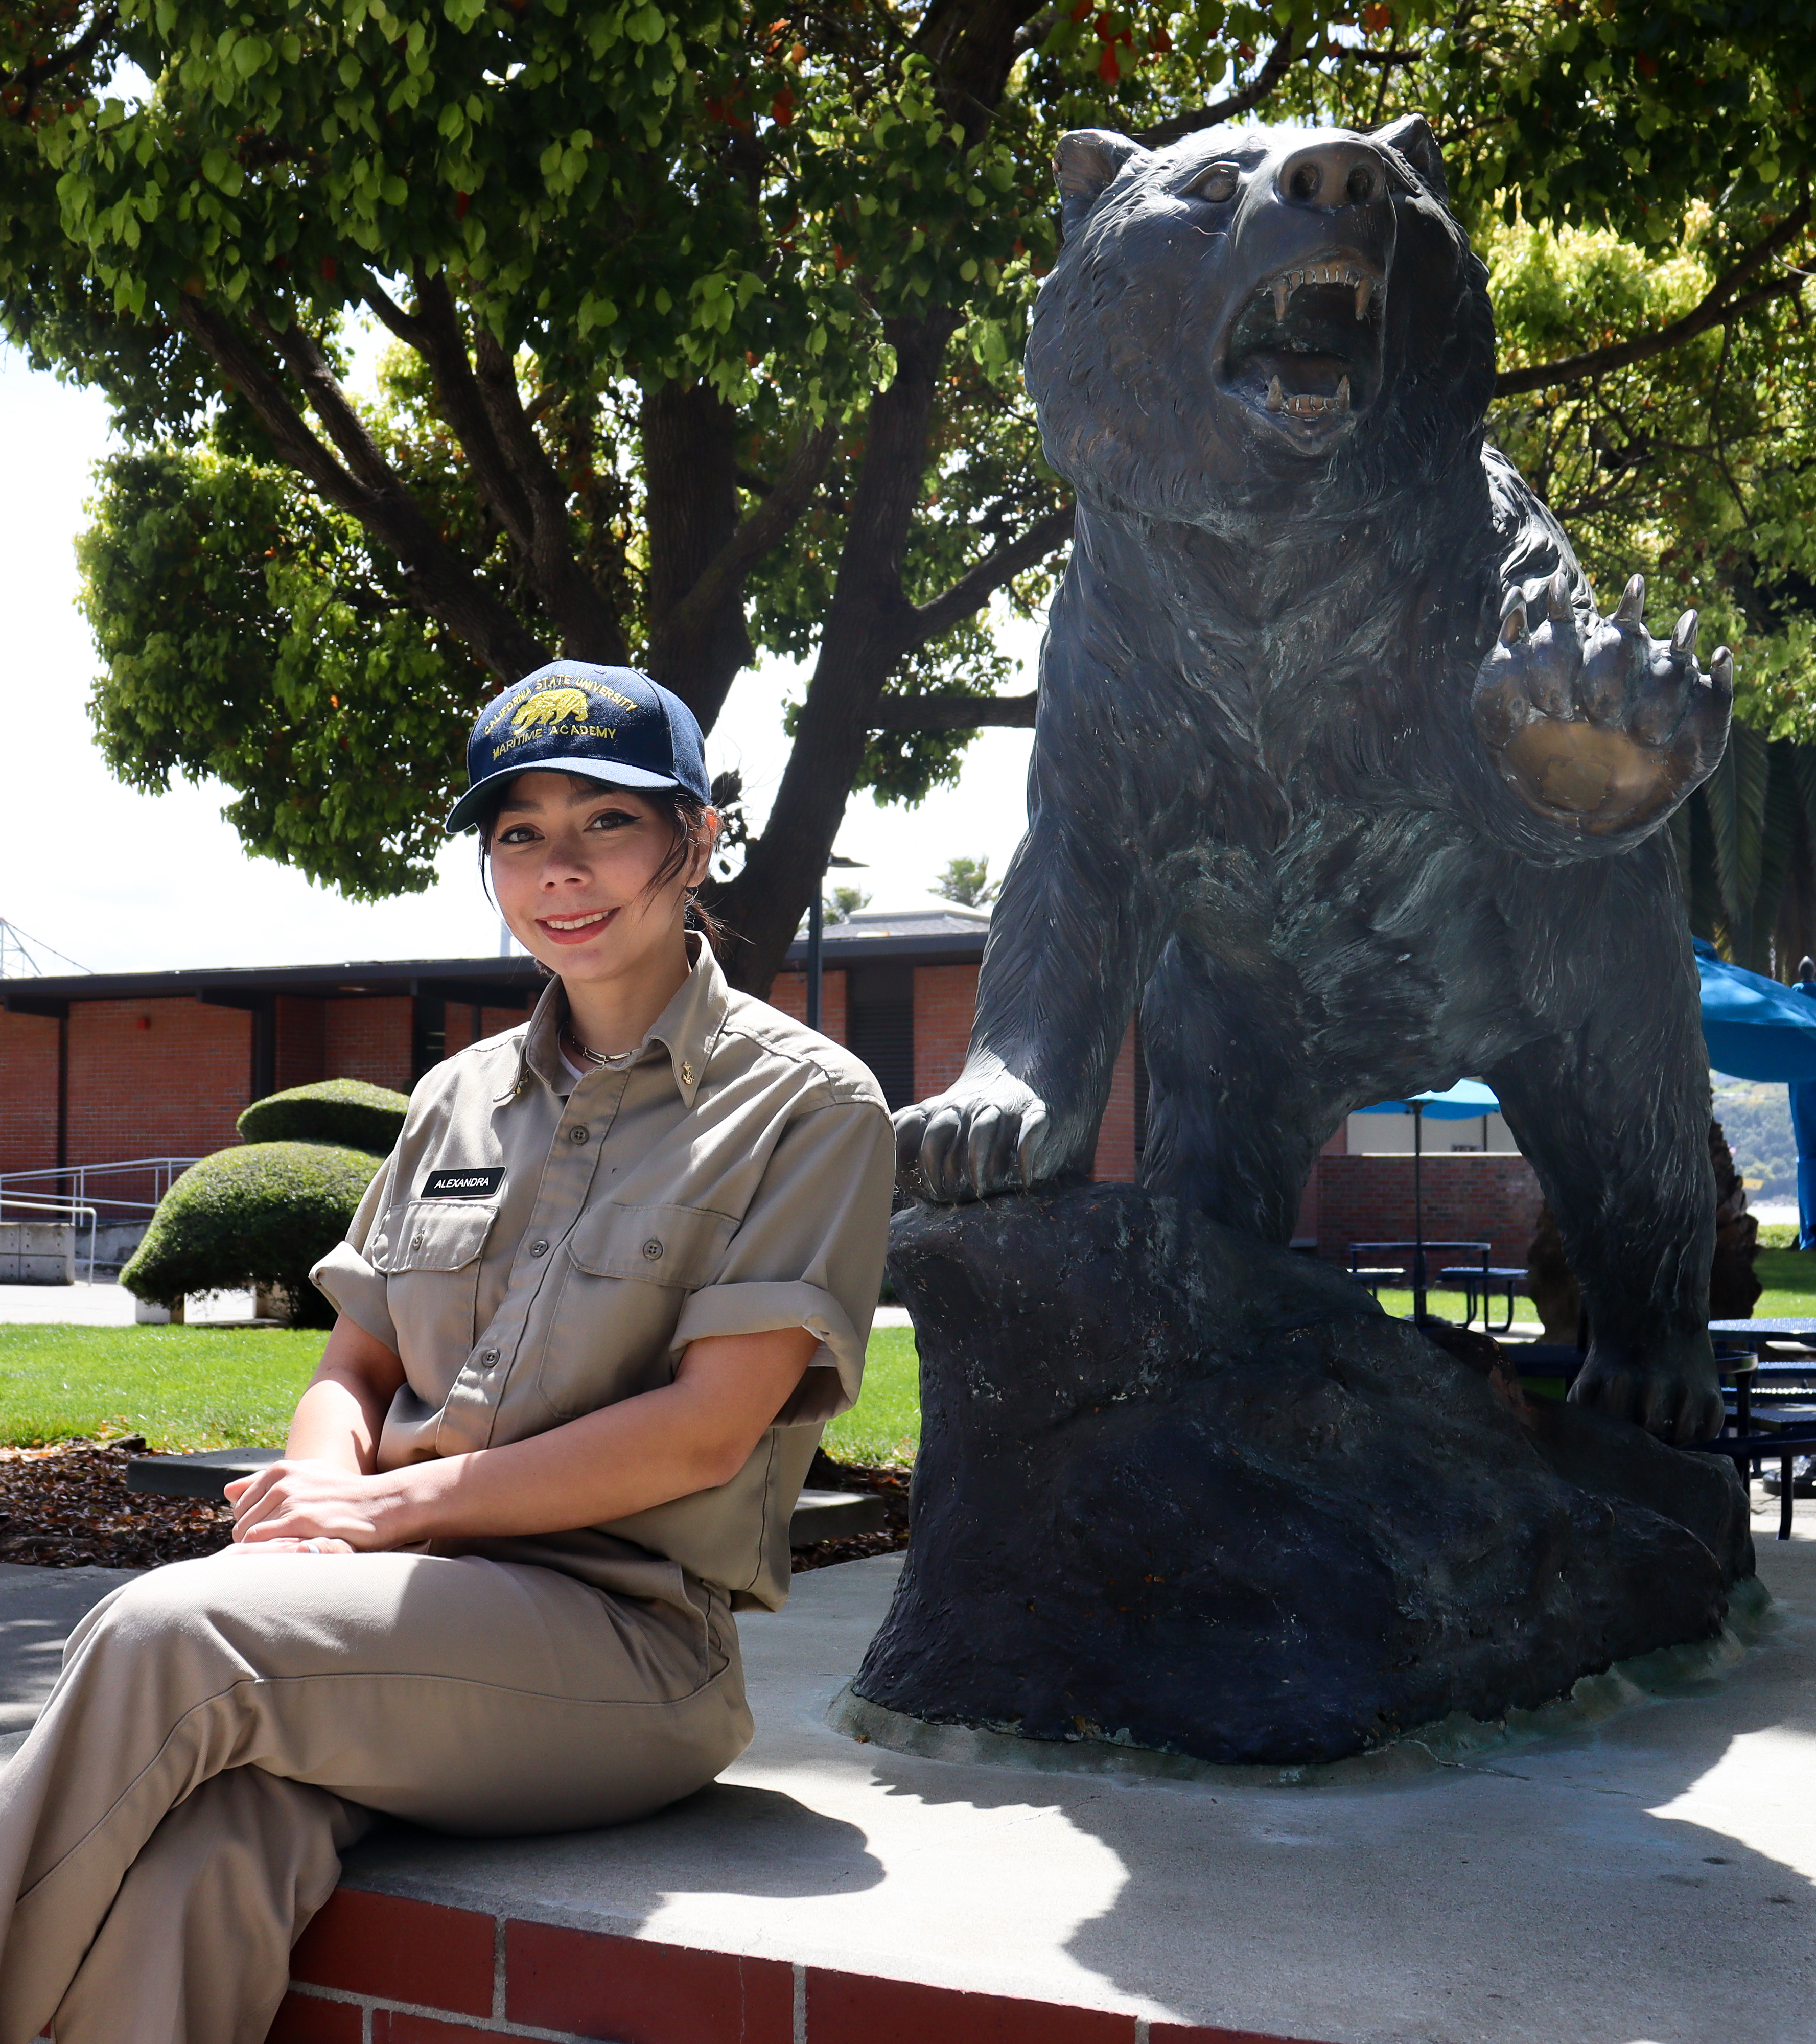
[(383, 1970)]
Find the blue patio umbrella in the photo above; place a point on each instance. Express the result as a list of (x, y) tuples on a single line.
[(1467, 1100), (1757, 1029)]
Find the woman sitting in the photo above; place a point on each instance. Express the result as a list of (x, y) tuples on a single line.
[(594, 1311)]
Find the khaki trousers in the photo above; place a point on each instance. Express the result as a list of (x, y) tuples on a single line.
[(222, 1729)]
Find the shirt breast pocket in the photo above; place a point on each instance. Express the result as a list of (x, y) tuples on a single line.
[(430, 1253), (630, 1269)]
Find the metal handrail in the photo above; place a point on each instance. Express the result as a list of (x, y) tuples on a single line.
[(74, 1209), (163, 1171)]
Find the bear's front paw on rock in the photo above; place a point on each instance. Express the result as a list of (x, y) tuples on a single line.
[(988, 1133), (1603, 730)]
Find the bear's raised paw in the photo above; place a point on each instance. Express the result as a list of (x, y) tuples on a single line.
[(1602, 730)]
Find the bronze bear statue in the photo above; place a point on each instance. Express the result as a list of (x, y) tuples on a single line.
[(1338, 768)]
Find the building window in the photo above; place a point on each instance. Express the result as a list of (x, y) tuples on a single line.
[(879, 1027), (428, 1034)]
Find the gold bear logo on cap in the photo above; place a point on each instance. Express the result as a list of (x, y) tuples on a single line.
[(551, 706)]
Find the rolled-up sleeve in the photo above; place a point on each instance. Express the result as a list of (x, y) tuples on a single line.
[(351, 1285), (809, 1252)]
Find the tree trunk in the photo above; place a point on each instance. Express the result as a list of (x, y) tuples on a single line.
[(690, 473), (870, 627)]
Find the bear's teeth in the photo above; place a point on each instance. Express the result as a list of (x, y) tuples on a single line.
[(1282, 291), (1308, 404), (1365, 290)]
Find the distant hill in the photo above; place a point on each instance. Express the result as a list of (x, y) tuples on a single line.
[(1756, 1119)]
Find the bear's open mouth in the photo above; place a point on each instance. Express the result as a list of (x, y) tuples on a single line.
[(1305, 347)]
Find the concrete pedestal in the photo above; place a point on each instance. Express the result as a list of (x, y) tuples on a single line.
[(1648, 1877)]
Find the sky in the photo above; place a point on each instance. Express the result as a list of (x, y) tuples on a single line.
[(119, 881)]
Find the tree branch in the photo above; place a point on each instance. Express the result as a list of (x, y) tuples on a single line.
[(30, 74), (373, 295), (953, 713), (440, 581), (761, 530), (435, 333), (978, 585), (1717, 307), (590, 630), (1032, 34), (331, 404), (1279, 62)]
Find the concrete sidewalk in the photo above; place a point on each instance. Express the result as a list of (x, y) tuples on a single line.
[(1649, 1877), (39, 1609), (101, 1305)]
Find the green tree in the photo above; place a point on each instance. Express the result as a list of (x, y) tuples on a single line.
[(707, 328), (968, 882), (843, 903)]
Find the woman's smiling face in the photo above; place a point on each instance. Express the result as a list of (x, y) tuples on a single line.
[(573, 863)]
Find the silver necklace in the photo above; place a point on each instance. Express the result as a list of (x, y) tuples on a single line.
[(615, 1059)]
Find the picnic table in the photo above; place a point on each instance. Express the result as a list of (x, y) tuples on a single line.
[(1771, 1422), (1374, 1275)]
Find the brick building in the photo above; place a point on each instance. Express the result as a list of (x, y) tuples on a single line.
[(98, 1067)]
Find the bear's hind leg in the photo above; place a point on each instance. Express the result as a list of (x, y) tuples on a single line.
[(1614, 1119), (1231, 1128)]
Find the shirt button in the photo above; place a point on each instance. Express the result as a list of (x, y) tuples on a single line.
[(488, 1356), (538, 1249), (579, 1135), (652, 1249), (416, 1241)]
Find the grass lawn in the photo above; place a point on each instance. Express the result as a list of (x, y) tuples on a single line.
[(883, 1428), (181, 1388), (188, 1387), (1788, 1275), (1449, 1305)]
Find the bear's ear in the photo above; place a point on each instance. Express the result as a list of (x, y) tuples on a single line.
[(1415, 142), (1085, 164)]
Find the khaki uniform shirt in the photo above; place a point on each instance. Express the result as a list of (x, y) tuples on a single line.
[(538, 1247)]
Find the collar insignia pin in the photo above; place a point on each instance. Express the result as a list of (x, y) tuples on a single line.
[(686, 1073)]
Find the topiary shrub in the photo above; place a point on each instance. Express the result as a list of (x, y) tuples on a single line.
[(259, 1214), (343, 1111)]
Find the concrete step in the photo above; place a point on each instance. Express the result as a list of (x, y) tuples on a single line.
[(821, 1515)]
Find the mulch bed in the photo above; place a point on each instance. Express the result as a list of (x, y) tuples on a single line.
[(890, 1484), (67, 1507)]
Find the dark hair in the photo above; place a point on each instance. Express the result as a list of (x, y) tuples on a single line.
[(684, 814)]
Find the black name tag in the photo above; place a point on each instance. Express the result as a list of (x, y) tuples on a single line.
[(479, 1183)]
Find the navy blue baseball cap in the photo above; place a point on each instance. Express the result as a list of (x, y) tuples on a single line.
[(609, 724)]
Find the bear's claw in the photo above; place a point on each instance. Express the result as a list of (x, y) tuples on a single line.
[(980, 1138), (1680, 1403), (1599, 727)]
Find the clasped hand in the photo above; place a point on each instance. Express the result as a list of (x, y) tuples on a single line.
[(316, 1507)]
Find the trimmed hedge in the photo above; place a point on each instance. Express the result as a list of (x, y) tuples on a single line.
[(259, 1214), (345, 1111)]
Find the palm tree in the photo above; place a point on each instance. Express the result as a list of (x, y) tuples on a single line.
[(1746, 843)]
